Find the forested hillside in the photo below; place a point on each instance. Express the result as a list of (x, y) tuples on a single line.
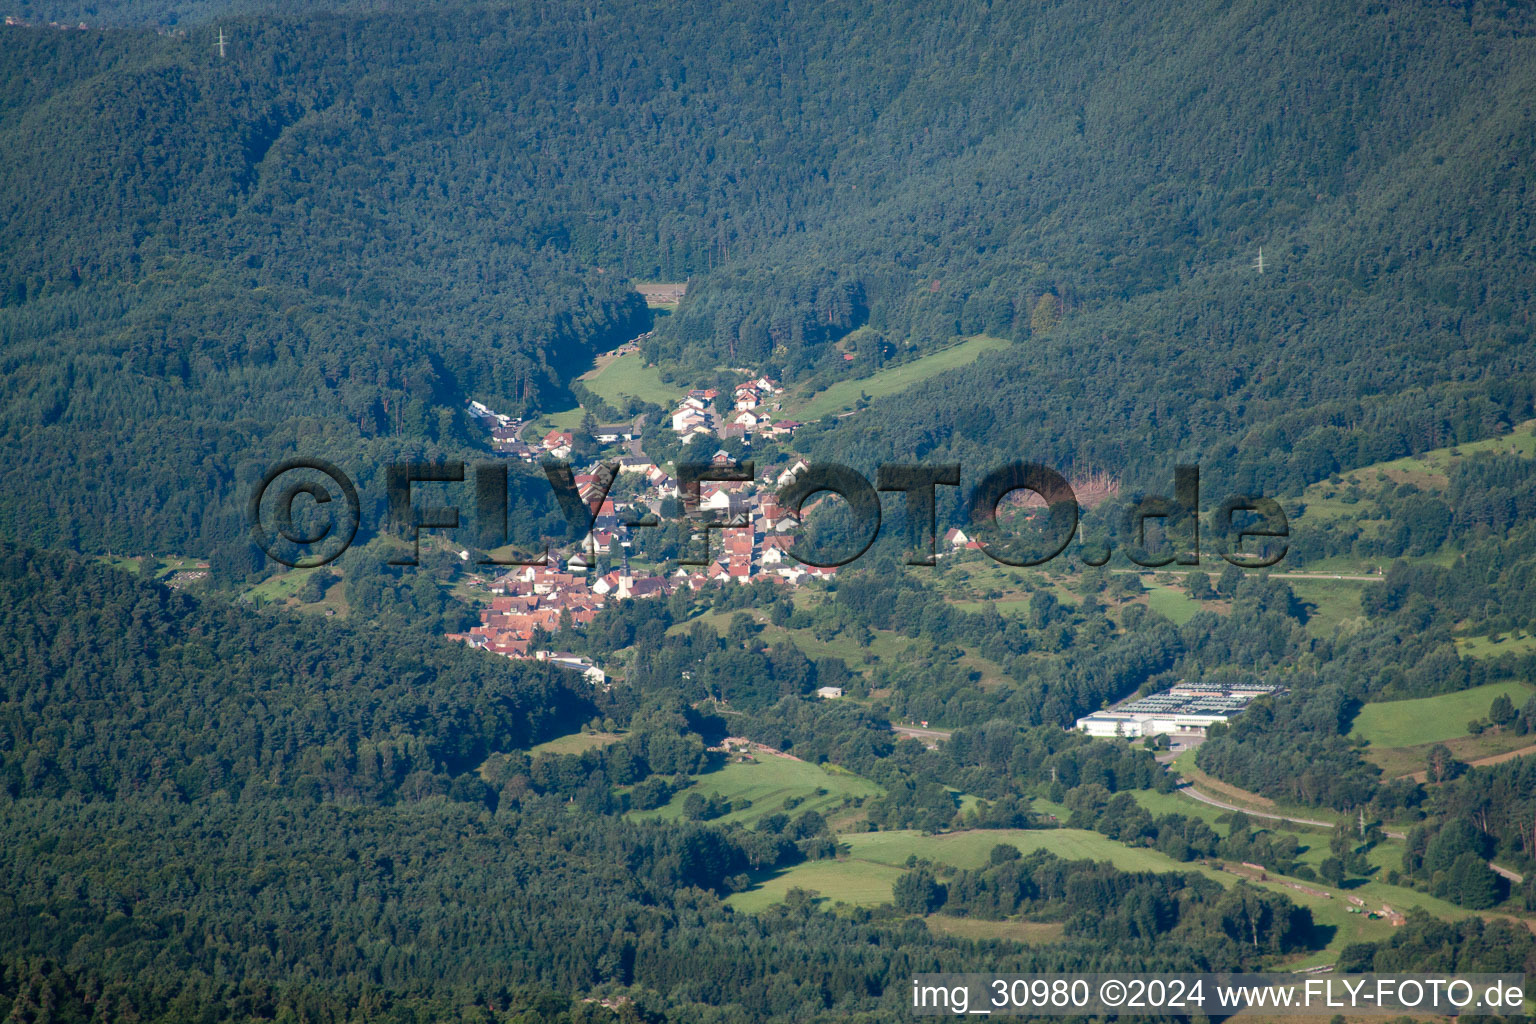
[(114, 687), (333, 236), (214, 814)]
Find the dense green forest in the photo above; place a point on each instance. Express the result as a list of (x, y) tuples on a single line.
[(332, 237), (223, 814), (324, 241)]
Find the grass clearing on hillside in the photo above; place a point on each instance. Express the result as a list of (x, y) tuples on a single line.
[(283, 588), (1429, 470), (1518, 643), (1329, 603), (628, 375), (875, 860), (842, 396), (160, 566), (1009, 608), (1184, 765), (1328, 913), (970, 849), (838, 881), (1350, 928), (1349, 497), (661, 295), (575, 743), (1158, 804), (1173, 603), (1414, 761), (560, 419), (969, 577), (768, 781), (1410, 723)]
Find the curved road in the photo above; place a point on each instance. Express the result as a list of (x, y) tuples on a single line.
[(1508, 755), (1194, 794), (1514, 877)]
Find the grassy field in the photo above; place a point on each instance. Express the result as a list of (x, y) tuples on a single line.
[(1008, 607), (1347, 928), (561, 419), (1519, 643), (1414, 761), (847, 881), (159, 566), (628, 375), (282, 589), (1185, 766), (1411, 723), (1159, 804), (1328, 913), (876, 859), (1349, 496), (1329, 603), (768, 781), (970, 849), (1429, 470), (971, 581), (841, 396), (655, 301), (1171, 602), (575, 743), (885, 646)]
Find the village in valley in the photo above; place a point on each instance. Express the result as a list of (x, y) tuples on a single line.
[(748, 541)]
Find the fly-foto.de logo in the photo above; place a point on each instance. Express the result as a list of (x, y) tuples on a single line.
[(305, 512)]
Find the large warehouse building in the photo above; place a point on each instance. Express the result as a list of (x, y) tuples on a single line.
[(1188, 708)]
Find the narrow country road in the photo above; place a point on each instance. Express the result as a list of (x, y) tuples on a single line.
[(1514, 877), (926, 735), (1508, 755), (1195, 794)]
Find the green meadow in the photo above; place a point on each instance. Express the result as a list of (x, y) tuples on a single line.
[(768, 781), (884, 645), (283, 588), (629, 376), (843, 395), (1409, 723), (1429, 470), (1517, 643), (863, 876), (1328, 603), (1172, 602), (1327, 912), (872, 861), (575, 743), (1346, 497), (969, 849)]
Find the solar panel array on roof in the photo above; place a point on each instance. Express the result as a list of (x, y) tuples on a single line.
[(1188, 707), (1198, 699)]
